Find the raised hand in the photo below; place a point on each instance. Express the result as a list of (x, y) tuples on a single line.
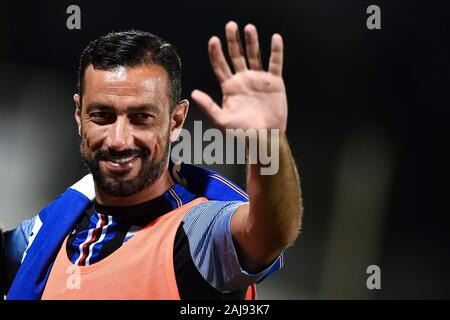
[(251, 97)]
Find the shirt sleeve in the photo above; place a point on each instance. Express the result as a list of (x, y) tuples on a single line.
[(212, 249), (17, 242)]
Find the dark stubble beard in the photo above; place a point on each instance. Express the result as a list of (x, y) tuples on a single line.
[(147, 175)]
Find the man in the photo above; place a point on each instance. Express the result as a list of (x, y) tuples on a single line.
[(146, 228)]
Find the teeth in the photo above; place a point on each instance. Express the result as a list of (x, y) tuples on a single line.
[(121, 160)]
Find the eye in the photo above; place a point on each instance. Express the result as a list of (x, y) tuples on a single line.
[(102, 117), (141, 117)]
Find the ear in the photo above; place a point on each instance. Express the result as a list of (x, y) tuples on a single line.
[(77, 100), (177, 119)]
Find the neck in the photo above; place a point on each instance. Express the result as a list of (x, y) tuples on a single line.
[(151, 192)]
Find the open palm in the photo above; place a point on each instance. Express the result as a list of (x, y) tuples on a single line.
[(252, 98)]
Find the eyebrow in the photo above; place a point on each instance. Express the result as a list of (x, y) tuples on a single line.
[(133, 108)]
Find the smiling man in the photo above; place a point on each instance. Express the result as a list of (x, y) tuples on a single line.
[(140, 227)]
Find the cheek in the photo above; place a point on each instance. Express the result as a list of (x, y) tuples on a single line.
[(157, 137), (157, 142), (92, 139), (164, 135), (86, 141)]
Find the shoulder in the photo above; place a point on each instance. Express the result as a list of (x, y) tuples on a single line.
[(209, 215), (212, 208)]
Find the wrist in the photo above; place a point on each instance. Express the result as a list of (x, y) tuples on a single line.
[(263, 151)]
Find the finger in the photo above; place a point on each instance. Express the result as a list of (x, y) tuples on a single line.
[(217, 59), (252, 47), (208, 106), (276, 56), (235, 49)]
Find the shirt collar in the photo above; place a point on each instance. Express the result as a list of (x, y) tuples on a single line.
[(143, 213)]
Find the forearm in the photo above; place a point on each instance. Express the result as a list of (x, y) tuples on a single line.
[(272, 220), (275, 200)]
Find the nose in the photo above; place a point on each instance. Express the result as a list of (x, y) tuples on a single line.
[(119, 136)]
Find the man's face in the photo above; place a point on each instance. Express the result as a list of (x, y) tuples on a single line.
[(124, 122)]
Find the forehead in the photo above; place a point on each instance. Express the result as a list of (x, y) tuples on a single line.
[(121, 85)]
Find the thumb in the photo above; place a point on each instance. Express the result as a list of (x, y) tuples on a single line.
[(208, 106)]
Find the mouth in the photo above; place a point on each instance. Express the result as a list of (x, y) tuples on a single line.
[(120, 164)]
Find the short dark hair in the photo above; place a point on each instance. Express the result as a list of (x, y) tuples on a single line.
[(130, 49)]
